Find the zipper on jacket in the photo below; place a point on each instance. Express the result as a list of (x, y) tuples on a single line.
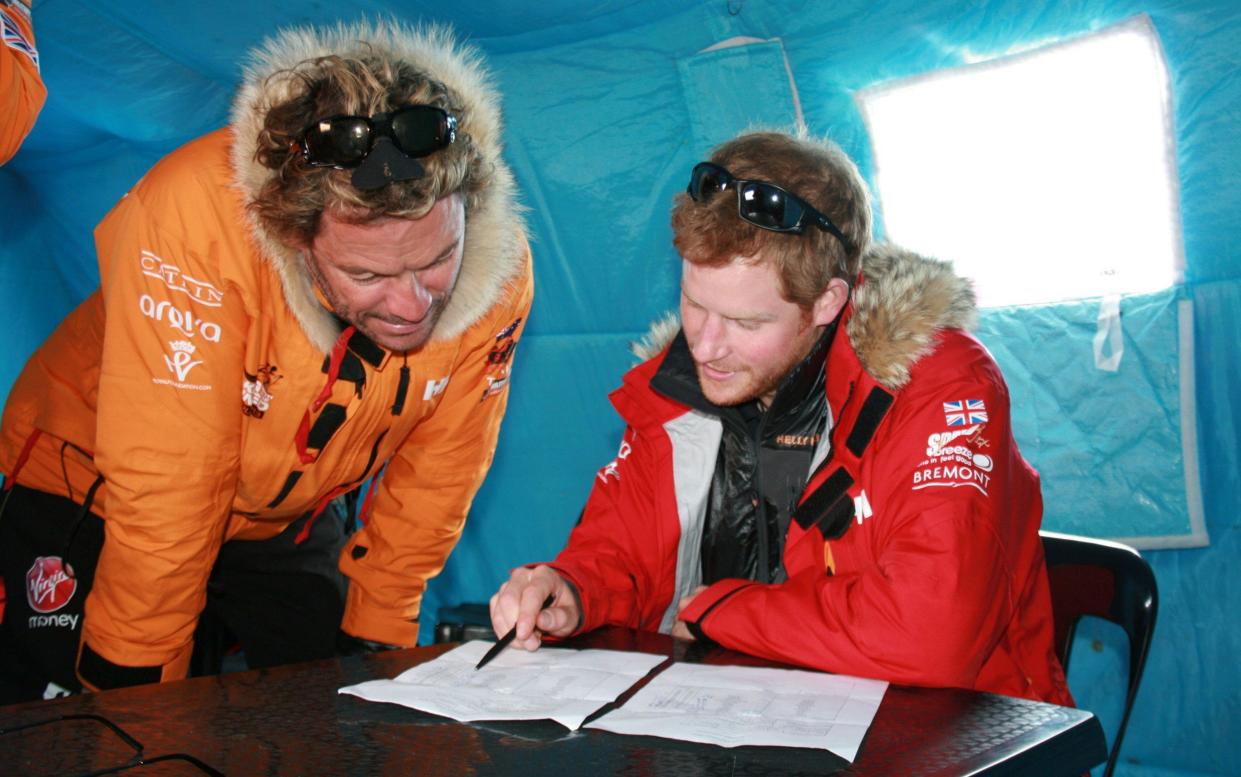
[(760, 507), (402, 387)]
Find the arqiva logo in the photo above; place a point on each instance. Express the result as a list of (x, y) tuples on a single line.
[(49, 585)]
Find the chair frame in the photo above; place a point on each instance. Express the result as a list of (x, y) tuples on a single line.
[(1132, 602)]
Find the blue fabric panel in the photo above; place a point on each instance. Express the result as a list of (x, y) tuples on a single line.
[(736, 88), (33, 299), (598, 191), (99, 60), (1107, 444)]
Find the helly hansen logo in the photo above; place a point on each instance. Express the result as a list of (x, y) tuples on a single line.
[(434, 388), (798, 440), (200, 291)]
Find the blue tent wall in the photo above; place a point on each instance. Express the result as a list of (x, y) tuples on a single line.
[(602, 132)]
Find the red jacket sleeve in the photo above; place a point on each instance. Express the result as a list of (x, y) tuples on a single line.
[(621, 570)]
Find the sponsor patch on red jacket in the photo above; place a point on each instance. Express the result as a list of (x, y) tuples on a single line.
[(612, 468), (956, 459), (965, 412)]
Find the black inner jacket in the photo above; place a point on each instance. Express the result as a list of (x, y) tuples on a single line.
[(763, 462)]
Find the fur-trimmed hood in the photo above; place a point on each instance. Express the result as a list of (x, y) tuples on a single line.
[(902, 302), (495, 237)]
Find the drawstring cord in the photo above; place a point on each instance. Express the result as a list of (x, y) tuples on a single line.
[(77, 524), (402, 387), (11, 480), (83, 510), (303, 430), (304, 534), (335, 359)]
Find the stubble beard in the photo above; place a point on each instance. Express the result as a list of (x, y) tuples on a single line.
[(756, 385), (410, 343)]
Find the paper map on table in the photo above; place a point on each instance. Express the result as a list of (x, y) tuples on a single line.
[(736, 705), (561, 684)]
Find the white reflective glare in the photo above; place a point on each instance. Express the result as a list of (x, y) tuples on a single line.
[(1044, 176)]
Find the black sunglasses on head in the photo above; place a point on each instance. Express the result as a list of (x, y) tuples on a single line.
[(763, 204), (344, 141)]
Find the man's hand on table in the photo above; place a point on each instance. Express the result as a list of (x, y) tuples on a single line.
[(520, 601), (679, 629)]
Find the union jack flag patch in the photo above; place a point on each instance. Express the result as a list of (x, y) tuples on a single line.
[(14, 39), (967, 412)]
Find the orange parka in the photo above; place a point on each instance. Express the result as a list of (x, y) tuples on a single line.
[(21, 90), (208, 384)]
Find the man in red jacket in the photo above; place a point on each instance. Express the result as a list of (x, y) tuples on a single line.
[(818, 466)]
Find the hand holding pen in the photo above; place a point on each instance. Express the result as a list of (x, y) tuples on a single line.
[(522, 606), (504, 641)]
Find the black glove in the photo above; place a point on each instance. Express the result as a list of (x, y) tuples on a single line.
[(349, 645)]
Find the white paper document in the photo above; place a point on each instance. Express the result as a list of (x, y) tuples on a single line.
[(557, 683), (737, 705)]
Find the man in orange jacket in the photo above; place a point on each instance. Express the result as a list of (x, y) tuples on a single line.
[(21, 90), (323, 294)]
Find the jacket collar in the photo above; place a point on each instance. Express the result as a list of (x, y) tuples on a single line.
[(901, 303), (798, 400), (895, 313)]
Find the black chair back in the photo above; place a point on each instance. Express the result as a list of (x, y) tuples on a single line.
[(1106, 580)]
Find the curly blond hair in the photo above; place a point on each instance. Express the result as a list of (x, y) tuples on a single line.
[(363, 83)]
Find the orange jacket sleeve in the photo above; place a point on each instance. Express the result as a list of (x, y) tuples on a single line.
[(168, 433), (21, 90)]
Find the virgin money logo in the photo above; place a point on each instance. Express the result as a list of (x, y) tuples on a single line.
[(48, 586)]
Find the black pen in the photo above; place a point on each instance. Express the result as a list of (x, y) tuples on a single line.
[(502, 642)]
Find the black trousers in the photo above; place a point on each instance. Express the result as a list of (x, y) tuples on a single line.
[(277, 601)]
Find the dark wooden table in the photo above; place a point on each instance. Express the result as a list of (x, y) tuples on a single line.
[(291, 721)]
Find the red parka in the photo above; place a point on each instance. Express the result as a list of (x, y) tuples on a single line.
[(938, 578)]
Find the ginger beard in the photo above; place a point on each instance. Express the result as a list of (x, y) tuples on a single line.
[(743, 335)]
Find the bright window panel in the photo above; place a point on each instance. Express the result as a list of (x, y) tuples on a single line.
[(1044, 176)]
